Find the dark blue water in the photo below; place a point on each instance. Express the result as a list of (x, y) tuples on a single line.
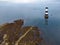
[(33, 15)]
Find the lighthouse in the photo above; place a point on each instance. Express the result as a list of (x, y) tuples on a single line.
[(46, 13), (46, 16)]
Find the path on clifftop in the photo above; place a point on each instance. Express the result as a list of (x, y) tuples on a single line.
[(23, 36)]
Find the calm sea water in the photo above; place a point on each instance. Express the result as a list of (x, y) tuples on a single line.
[(34, 15)]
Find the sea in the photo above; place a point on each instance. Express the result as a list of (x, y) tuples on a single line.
[(33, 15)]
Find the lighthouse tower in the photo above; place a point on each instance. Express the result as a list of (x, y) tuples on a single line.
[(46, 13)]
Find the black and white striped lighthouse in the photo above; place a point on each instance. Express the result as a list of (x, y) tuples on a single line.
[(46, 13)]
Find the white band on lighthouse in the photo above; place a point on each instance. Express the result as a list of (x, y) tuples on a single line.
[(46, 9), (46, 13)]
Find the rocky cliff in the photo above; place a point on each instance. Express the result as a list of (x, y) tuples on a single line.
[(17, 34)]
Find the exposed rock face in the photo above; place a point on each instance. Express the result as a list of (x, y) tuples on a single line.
[(15, 30)]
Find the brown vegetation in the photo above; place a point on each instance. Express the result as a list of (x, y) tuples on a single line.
[(16, 29)]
